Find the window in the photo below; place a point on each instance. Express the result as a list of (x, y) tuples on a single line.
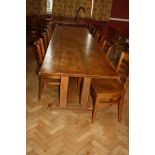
[(49, 6)]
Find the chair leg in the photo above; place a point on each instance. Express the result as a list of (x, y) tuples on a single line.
[(94, 111), (120, 107), (41, 86)]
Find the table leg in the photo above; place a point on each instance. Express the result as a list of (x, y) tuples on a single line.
[(41, 86), (85, 92), (63, 91)]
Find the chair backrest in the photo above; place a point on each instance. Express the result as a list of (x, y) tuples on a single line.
[(97, 36), (45, 40), (50, 29), (39, 53), (109, 51), (47, 34), (101, 40), (123, 68), (40, 49), (105, 46), (94, 30), (90, 28), (114, 34), (113, 55)]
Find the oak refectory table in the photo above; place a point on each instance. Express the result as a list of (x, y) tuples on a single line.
[(73, 52)]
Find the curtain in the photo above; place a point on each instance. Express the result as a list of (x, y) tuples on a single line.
[(68, 8)]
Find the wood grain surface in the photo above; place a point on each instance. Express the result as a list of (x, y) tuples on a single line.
[(73, 51)]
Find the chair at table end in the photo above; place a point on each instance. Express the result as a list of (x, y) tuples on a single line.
[(106, 92)]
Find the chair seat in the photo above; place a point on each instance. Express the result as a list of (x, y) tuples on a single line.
[(106, 86)]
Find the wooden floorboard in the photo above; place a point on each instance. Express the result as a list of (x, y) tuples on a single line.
[(52, 131)]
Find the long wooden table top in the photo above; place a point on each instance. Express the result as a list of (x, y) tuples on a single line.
[(73, 51)]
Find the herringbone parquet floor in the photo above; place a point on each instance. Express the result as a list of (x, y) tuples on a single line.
[(51, 131)]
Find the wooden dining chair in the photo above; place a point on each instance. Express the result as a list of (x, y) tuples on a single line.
[(48, 33), (42, 27), (109, 52), (114, 34), (52, 27), (101, 40), (97, 36), (90, 28), (45, 39), (106, 92), (49, 30), (114, 52), (114, 38), (49, 80), (105, 45), (94, 30)]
